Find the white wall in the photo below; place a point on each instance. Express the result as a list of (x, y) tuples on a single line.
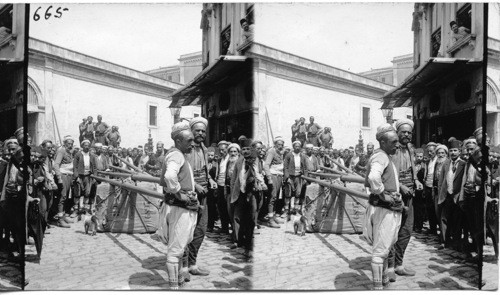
[(74, 99), (288, 100)]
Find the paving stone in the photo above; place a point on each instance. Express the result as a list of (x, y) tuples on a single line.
[(111, 261), (342, 262)]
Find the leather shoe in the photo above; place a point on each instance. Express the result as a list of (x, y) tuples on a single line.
[(196, 271), (62, 223), (402, 271), (391, 275)]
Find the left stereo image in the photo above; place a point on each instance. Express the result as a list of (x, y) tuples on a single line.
[(14, 203)]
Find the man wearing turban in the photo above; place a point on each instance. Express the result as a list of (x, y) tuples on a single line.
[(295, 164), (63, 166), (383, 214), (84, 165), (428, 187), (198, 159), (273, 165), (113, 138), (178, 214), (404, 160)]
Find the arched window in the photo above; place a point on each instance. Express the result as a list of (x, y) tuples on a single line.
[(491, 96), (32, 95)]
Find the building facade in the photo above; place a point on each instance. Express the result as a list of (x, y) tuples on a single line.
[(251, 89), (402, 67), (288, 87), (12, 67), (65, 86), (493, 91), (224, 88), (189, 66), (445, 89)]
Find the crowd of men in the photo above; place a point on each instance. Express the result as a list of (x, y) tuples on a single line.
[(12, 197), (247, 185), (438, 182), (199, 184)]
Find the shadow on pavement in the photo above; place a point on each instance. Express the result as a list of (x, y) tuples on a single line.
[(146, 279), (352, 281), (462, 270), (442, 284), (361, 263), (247, 270), (156, 275), (241, 283), (10, 274)]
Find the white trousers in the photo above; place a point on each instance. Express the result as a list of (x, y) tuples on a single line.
[(380, 230), (175, 229)]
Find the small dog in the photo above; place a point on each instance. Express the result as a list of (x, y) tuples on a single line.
[(90, 222), (299, 223)]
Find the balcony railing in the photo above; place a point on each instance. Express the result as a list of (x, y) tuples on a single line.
[(468, 40)]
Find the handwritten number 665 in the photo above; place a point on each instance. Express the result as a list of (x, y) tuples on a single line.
[(58, 13)]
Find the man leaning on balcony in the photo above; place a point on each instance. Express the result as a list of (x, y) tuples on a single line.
[(458, 32)]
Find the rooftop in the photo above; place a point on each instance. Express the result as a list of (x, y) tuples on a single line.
[(36, 45), (273, 53)]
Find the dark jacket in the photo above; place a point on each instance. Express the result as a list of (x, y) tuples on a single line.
[(235, 180), (104, 161), (79, 166), (289, 165), (457, 180)]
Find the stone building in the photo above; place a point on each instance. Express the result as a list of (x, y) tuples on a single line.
[(189, 66), (65, 86), (446, 88), (402, 67), (224, 88), (288, 87)]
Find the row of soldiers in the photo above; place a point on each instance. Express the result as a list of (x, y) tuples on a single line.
[(442, 181)]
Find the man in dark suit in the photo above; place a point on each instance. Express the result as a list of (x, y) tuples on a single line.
[(449, 185), (295, 164), (244, 187), (83, 166)]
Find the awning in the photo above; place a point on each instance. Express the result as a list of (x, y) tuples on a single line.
[(433, 75), (223, 73)]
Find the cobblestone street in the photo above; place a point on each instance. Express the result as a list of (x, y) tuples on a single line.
[(109, 261), (10, 274), (329, 261)]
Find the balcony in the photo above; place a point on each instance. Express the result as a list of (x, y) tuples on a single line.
[(469, 40)]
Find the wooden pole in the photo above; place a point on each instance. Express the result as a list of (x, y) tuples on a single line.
[(121, 169), (333, 170), (345, 178), (338, 188), (129, 165), (130, 187)]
